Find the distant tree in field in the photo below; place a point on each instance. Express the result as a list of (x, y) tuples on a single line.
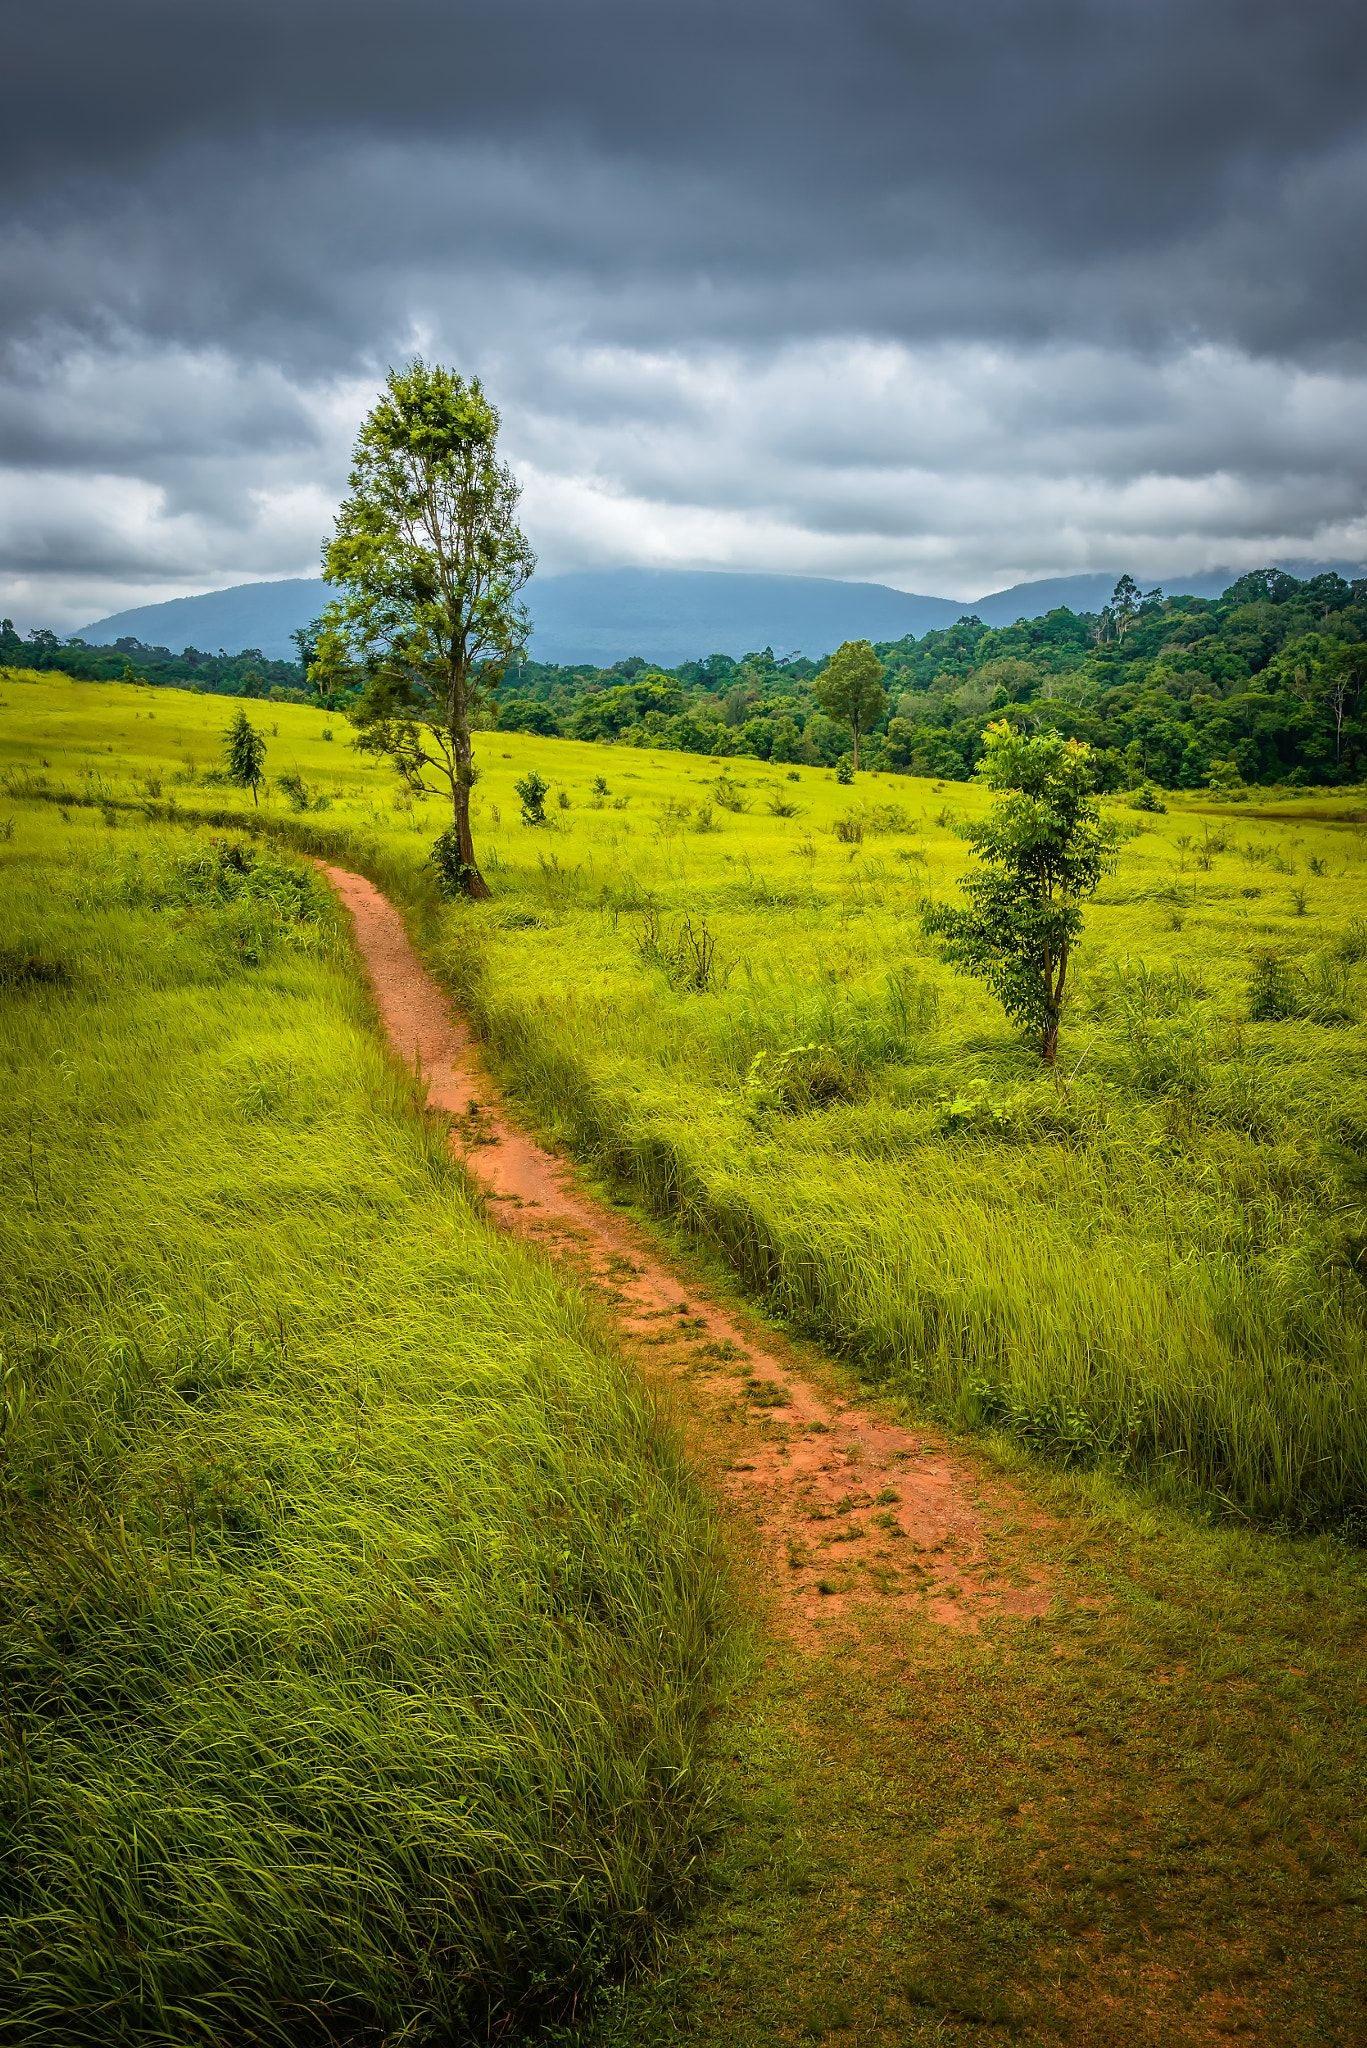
[(429, 559), (245, 749), (850, 688), (1044, 847)]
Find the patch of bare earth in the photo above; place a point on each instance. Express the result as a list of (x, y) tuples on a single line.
[(855, 1510)]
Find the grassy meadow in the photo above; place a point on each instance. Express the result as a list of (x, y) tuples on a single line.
[(361, 1622), (709, 980), (348, 1574)]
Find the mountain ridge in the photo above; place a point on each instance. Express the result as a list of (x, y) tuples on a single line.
[(600, 616)]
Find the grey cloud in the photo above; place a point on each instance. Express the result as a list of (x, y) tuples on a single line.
[(1108, 250), (1147, 170)]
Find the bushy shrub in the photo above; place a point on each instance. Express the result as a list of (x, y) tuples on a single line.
[(294, 790), (687, 954), (452, 869), (802, 1078)]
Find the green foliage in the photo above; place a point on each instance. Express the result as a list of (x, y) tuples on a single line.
[(359, 1619), (430, 560), (1224, 778), (844, 770), (1269, 676), (532, 791), (1045, 847), (244, 750), (448, 864)]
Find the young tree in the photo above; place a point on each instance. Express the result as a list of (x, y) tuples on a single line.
[(429, 559), (245, 749), (850, 688), (1044, 846), (532, 792)]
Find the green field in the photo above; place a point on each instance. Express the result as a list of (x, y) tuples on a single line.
[(361, 1623), (1154, 1258), (1138, 1285)]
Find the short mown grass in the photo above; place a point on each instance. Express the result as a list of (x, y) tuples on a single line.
[(360, 1624)]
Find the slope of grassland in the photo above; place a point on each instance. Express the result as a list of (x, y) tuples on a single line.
[(1155, 1258), (359, 1623)]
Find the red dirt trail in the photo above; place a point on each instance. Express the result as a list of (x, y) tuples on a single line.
[(853, 1509)]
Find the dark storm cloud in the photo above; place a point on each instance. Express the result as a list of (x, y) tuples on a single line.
[(935, 291), (1150, 168)]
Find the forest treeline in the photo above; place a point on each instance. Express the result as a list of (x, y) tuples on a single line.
[(249, 673), (1264, 684)]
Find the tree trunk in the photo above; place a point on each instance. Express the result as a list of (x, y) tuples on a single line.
[(1054, 983), (854, 729), (472, 881)]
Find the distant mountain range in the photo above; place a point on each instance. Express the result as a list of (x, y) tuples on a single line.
[(665, 615)]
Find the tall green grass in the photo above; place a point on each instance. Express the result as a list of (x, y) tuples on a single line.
[(1158, 1260), (359, 1622)]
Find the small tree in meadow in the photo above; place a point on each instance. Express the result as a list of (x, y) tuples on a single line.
[(850, 688), (532, 792), (245, 749), (428, 559), (1044, 847)]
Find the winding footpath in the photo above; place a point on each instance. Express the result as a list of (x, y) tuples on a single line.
[(856, 1514)]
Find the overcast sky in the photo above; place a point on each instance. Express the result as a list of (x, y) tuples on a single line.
[(944, 295)]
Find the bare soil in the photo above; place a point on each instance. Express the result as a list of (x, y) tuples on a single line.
[(854, 1510)]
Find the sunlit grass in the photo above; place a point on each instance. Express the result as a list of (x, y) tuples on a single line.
[(1155, 1258)]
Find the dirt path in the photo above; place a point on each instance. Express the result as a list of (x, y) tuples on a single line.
[(854, 1509)]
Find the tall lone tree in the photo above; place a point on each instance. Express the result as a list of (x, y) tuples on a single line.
[(429, 560), (245, 751), (850, 688), (1044, 847)]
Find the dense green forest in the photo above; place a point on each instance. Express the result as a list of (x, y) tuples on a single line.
[(1264, 684)]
